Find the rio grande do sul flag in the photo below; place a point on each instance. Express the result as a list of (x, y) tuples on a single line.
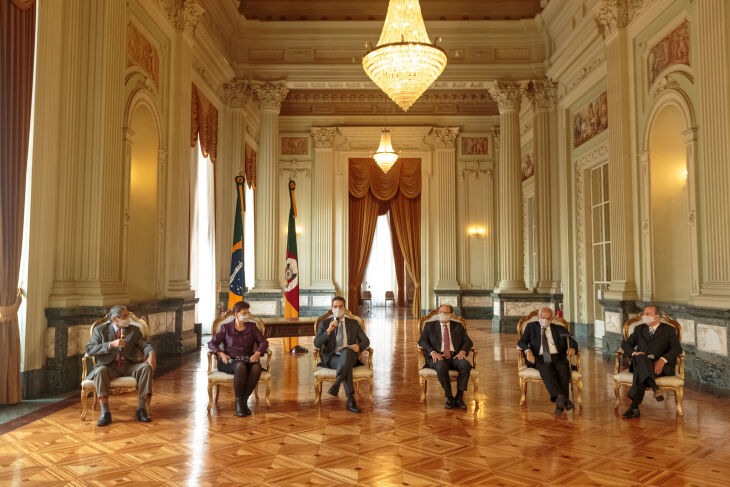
[(237, 280), (291, 290)]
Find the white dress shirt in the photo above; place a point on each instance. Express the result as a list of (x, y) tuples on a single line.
[(448, 328), (551, 342)]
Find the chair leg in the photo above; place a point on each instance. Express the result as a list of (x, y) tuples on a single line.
[(268, 392), (256, 391), (148, 403), (84, 406), (580, 393), (523, 392), (370, 392), (424, 386), (476, 389), (317, 391), (217, 391), (617, 393), (210, 396), (96, 401), (678, 396)]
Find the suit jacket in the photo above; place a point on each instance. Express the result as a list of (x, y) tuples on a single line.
[(431, 337), (104, 334), (664, 343), (327, 343), (532, 338)]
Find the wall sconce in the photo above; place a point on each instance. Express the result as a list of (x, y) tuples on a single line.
[(299, 231), (476, 232)]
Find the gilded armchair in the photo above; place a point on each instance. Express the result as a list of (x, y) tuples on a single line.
[(529, 374), (671, 382), (359, 373), (426, 373), (120, 385), (217, 378)]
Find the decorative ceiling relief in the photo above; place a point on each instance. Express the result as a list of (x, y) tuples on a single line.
[(673, 49), (141, 53), (591, 120)]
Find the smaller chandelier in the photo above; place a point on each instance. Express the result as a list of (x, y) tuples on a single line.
[(385, 156)]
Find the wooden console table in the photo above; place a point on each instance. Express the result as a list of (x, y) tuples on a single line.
[(289, 327)]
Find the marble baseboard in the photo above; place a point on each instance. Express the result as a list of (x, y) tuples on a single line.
[(582, 332), (477, 313), (505, 324)]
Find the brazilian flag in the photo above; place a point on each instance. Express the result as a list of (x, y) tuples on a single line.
[(238, 281)]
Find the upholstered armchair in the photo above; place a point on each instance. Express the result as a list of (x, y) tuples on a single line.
[(120, 385), (426, 374), (529, 374), (217, 378), (626, 378), (359, 374)]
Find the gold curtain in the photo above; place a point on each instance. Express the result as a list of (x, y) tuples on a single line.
[(363, 217), (204, 122), (398, 259), (17, 31), (400, 190)]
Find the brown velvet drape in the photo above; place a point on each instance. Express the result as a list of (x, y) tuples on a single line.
[(17, 31), (398, 259), (204, 122), (370, 191)]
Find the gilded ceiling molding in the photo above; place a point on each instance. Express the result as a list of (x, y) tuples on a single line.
[(270, 94)]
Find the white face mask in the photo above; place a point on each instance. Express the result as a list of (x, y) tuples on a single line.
[(338, 312), (544, 322), (444, 317), (648, 320), (122, 323), (243, 317)]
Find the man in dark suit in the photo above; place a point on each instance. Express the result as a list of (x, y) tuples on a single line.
[(545, 348), (340, 341), (118, 357), (446, 345), (653, 347)]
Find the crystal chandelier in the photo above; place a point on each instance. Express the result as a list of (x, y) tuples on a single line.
[(385, 156), (405, 62)]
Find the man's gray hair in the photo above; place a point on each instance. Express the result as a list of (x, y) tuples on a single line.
[(115, 311)]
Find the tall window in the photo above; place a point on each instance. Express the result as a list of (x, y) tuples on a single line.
[(601, 242), (202, 251), (380, 272), (249, 262)]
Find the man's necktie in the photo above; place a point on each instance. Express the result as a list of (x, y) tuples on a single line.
[(545, 348), (340, 335), (447, 342), (119, 354)]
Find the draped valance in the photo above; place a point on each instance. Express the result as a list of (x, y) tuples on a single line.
[(204, 122), (404, 176)]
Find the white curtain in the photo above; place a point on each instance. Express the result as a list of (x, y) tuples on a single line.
[(202, 252), (248, 240), (380, 272)]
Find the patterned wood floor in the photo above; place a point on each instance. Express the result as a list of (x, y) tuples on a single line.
[(395, 442)]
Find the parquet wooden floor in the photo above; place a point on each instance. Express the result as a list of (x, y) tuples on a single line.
[(395, 442)]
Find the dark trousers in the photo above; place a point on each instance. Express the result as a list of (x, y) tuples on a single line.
[(644, 377), (555, 375), (245, 376), (442, 368), (343, 364)]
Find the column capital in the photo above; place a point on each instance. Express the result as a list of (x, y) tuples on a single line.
[(324, 137), (611, 15), (444, 137), (507, 94), (236, 92), (542, 94), (270, 94), (183, 14)]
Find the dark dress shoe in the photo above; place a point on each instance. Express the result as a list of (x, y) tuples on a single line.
[(241, 407), (334, 390), (460, 403), (247, 410), (568, 405), (632, 413), (105, 419), (659, 395), (450, 404), (142, 416), (559, 405), (352, 406)]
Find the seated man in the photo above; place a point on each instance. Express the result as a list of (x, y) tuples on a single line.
[(447, 345), (340, 342), (115, 345), (545, 348), (653, 347)]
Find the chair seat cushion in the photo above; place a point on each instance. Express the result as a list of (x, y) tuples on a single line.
[(626, 377), (532, 373), (218, 377), (126, 382), (430, 373), (360, 372)]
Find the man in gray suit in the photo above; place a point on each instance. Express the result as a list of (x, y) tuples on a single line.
[(115, 346), (340, 341)]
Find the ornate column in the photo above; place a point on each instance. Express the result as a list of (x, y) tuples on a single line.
[(269, 96), (323, 139), (612, 17), (714, 178), (542, 97), (508, 96), (444, 164)]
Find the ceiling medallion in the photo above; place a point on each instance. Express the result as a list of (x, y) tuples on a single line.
[(405, 62)]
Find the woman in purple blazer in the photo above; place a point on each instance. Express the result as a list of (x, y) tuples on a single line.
[(243, 344)]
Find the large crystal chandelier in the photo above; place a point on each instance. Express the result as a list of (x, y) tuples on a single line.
[(405, 62), (385, 156)]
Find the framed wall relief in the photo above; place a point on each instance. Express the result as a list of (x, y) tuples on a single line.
[(528, 167), (294, 146), (590, 120), (473, 146), (671, 50), (141, 53)]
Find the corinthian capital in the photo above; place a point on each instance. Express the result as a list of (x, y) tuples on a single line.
[(236, 92), (323, 137), (270, 94), (183, 14), (444, 137), (611, 15), (507, 94), (541, 93)]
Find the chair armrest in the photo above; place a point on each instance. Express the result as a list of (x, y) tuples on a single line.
[(520, 359), (679, 366), (83, 367), (316, 359), (474, 358), (617, 367), (421, 358), (577, 361), (210, 361), (369, 350), (268, 360)]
